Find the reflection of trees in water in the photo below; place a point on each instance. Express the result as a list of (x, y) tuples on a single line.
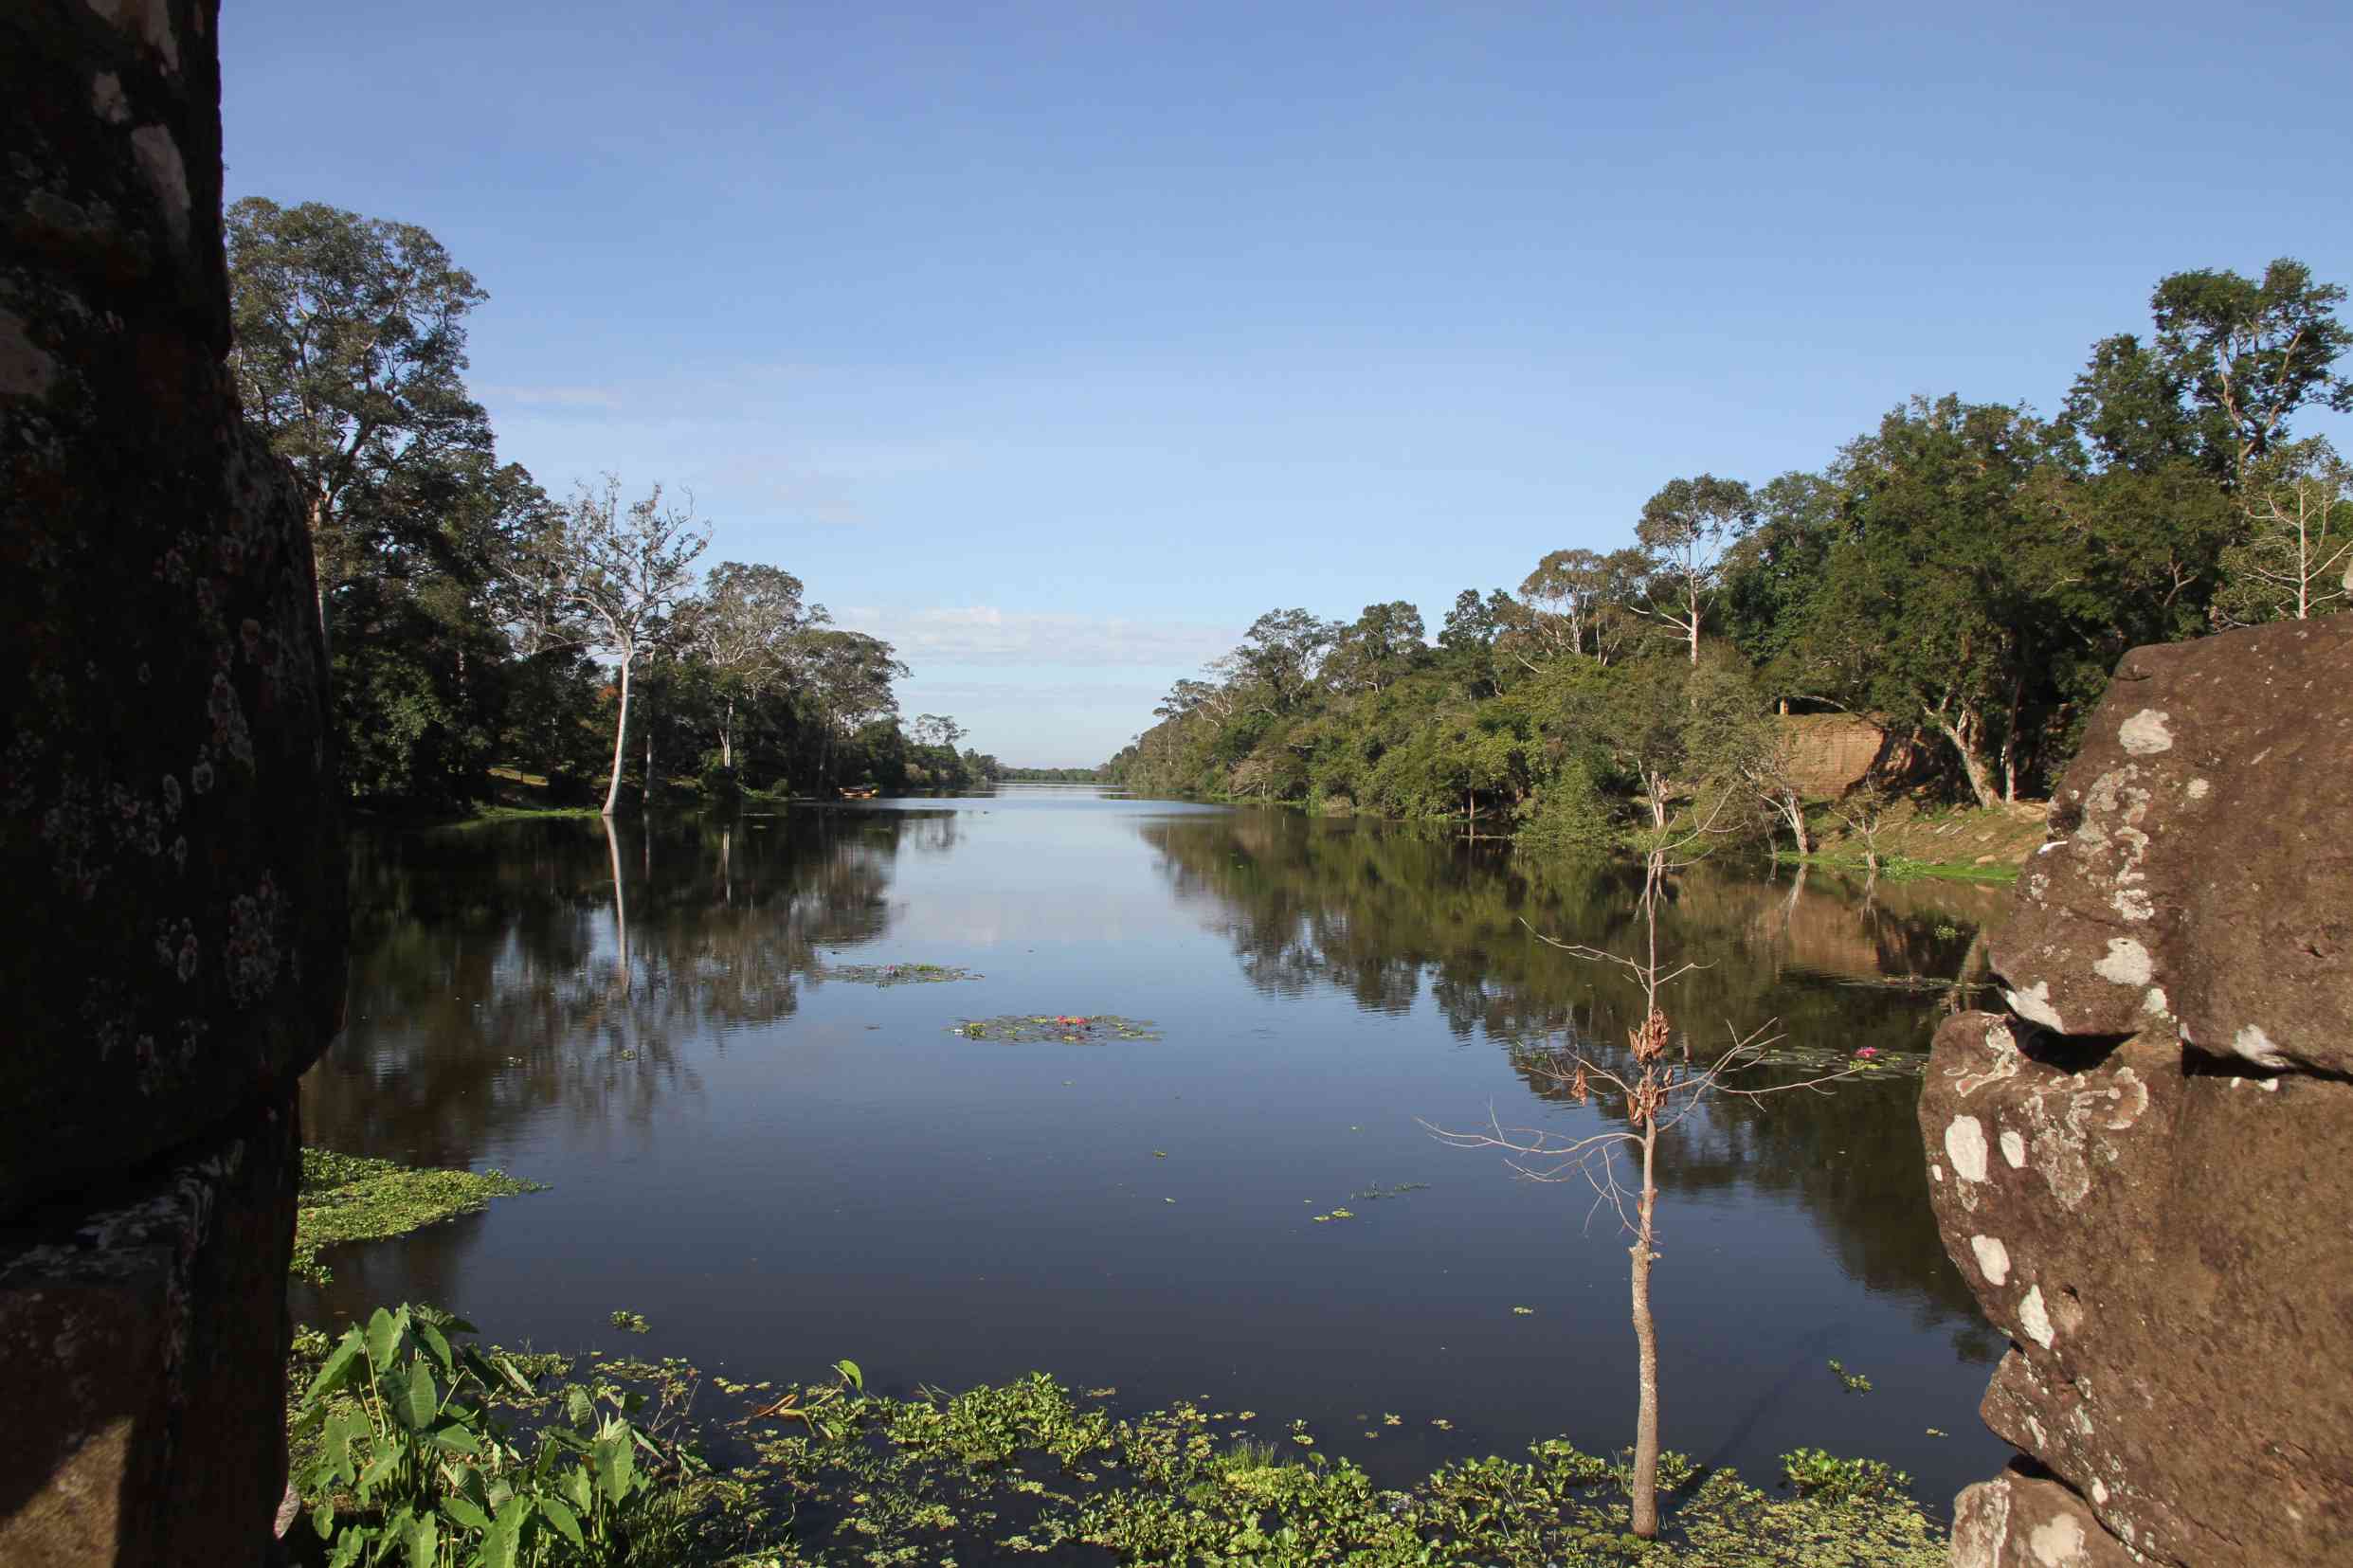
[(1378, 912), (503, 973)]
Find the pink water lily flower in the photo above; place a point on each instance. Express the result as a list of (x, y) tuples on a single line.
[(1868, 1051)]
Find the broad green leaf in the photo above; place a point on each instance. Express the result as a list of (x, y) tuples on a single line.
[(347, 1548), (337, 1368), (501, 1542), (578, 1407), (563, 1519), (379, 1471), (466, 1512), (424, 1542), (424, 1400), (384, 1332), (850, 1370), (437, 1347), (323, 1518), (577, 1487), (615, 1461), (456, 1438), (514, 1376)]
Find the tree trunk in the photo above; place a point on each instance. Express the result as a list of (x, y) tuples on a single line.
[(1794, 811), (646, 803), (727, 738), (621, 741), (1646, 1343), (1965, 742)]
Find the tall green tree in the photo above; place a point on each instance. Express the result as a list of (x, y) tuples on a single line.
[(1685, 531), (349, 352)]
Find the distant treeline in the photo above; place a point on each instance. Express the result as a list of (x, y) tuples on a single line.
[(473, 620), (1051, 775), (1967, 573)]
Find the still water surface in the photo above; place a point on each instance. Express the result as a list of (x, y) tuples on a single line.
[(777, 1169)]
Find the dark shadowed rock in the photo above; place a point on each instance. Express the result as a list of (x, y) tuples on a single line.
[(166, 826), (137, 1344), (163, 790), (2201, 869)]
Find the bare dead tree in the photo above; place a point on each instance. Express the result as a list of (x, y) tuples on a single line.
[(610, 577), (1656, 1090)]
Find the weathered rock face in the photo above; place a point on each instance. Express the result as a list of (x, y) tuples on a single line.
[(165, 820), (137, 1349), (2202, 867), (166, 754), (2020, 1521), (2155, 1219)]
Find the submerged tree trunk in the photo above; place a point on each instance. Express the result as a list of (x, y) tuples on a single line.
[(1646, 1344), (621, 741)]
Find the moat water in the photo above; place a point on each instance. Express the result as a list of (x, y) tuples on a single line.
[(777, 1166)]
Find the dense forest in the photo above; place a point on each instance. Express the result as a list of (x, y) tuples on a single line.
[(1966, 575), (476, 623)]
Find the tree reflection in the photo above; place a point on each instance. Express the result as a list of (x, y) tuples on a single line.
[(511, 972), (1381, 912)]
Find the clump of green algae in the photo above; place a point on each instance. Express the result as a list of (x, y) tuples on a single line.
[(350, 1197)]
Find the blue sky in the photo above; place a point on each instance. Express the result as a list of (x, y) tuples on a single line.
[(1055, 342)]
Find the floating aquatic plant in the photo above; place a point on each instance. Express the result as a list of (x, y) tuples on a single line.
[(349, 1198), (898, 974), (1066, 1028)]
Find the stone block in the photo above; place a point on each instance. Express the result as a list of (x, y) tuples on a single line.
[(140, 1343)]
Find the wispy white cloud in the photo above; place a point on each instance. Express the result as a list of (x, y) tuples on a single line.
[(984, 633)]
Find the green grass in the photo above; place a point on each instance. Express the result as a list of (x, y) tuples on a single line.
[(346, 1198), (1899, 868)]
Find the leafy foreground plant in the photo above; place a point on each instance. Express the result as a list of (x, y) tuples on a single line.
[(399, 1460), (349, 1198)]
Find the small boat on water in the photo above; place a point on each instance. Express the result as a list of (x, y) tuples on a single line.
[(864, 792)]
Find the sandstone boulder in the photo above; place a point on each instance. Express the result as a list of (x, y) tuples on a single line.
[(2021, 1521), (2167, 1253), (2200, 870)]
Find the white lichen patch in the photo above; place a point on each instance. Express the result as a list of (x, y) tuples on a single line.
[(2156, 1001), (2147, 733), (2035, 1320), (2057, 1543), (2035, 1006), (1965, 1144), (2014, 1148), (2099, 1492), (1993, 1258), (2128, 963), (2199, 789), (2258, 1047)]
